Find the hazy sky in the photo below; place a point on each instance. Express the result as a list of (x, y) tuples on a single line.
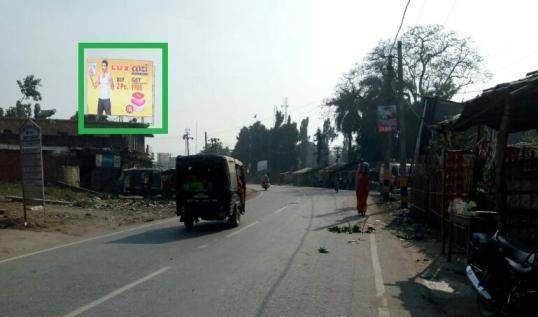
[(230, 60)]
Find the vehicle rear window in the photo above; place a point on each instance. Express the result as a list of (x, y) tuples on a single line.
[(202, 177)]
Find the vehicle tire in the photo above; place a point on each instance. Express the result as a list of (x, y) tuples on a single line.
[(235, 218), (486, 308), (188, 222)]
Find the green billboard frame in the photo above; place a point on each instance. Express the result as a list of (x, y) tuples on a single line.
[(81, 80)]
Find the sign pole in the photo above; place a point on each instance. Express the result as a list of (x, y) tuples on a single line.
[(31, 167)]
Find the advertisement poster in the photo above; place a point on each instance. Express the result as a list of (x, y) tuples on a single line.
[(387, 118), (119, 87), (262, 165)]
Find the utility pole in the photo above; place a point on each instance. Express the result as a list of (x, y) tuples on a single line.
[(403, 152), (205, 141), (187, 138), (196, 138), (388, 135), (285, 107)]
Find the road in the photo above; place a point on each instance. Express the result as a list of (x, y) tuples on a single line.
[(268, 266)]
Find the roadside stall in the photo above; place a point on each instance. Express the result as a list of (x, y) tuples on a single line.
[(474, 176)]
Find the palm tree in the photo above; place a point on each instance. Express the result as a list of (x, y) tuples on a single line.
[(347, 114)]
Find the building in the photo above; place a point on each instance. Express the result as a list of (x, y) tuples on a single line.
[(97, 159)]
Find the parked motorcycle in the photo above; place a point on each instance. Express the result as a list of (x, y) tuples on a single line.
[(505, 275)]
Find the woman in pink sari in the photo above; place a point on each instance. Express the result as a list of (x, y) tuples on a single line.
[(361, 187)]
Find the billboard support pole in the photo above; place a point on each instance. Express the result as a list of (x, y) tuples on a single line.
[(402, 133)]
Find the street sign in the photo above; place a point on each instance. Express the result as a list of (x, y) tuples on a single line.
[(31, 165)]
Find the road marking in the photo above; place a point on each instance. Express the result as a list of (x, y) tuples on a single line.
[(242, 229), (203, 246), (383, 309), (280, 210), (115, 293), (87, 240)]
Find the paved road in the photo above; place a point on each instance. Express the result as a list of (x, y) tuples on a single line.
[(269, 266)]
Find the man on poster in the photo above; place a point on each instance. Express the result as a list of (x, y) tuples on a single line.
[(106, 84)]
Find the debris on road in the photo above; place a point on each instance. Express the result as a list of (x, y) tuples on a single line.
[(352, 229), (323, 250)]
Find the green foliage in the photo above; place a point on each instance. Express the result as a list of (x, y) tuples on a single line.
[(279, 145), (29, 90), (303, 145), (216, 147), (20, 110), (29, 86), (323, 138), (436, 63)]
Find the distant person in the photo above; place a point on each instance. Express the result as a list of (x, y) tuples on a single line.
[(265, 182), (106, 84), (361, 187), (336, 182)]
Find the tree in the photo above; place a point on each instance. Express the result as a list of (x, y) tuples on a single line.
[(323, 138), (347, 113), (28, 87), (436, 62), (29, 90), (283, 144), (216, 147), (303, 142), (20, 110), (252, 144)]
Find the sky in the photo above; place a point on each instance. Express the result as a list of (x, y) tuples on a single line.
[(232, 60)]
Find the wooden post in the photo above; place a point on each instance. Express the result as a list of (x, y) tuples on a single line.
[(500, 155)]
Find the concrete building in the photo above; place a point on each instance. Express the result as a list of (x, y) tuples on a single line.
[(98, 158)]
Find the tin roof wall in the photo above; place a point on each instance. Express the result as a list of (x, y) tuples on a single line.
[(488, 108)]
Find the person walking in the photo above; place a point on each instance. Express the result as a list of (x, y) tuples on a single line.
[(361, 187)]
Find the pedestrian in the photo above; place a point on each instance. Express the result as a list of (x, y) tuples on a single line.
[(361, 187)]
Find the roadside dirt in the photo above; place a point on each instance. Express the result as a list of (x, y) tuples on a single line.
[(441, 283), (86, 215)]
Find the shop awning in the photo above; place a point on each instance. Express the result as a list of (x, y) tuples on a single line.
[(488, 108)]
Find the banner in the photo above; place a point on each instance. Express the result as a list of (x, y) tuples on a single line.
[(119, 87), (262, 166), (387, 118)]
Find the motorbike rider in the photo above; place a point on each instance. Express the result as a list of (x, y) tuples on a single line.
[(265, 180)]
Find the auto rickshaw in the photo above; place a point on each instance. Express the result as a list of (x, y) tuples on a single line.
[(209, 187)]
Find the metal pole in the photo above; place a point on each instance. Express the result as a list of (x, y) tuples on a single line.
[(388, 135), (402, 134)]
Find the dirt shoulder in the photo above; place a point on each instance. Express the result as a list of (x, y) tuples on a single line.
[(85, 215), (441, 283)]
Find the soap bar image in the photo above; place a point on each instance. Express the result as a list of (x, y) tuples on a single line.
[(92, 68), (138, 101)]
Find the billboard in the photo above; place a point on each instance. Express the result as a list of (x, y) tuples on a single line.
[(119, 87), (262, 166), (387, 118)]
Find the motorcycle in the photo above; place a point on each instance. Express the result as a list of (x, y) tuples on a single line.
[(504, 274), (265, 185)]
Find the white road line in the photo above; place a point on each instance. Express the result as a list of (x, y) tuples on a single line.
[(114, 293), (280, 210), (203, 246), (236, 232), (383, 309), (87, 240)]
